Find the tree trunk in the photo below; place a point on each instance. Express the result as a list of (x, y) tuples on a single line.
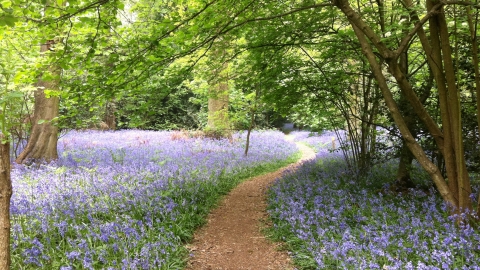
[(218, 94), (218, 107), (403, 180), (476, 64), (253, 110), (252, 122), (5, 195), (458, 179), (109, 117), (42, 145)]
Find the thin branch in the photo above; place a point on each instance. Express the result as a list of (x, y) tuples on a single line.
[(174, 29), (81, 10), (417, 69)]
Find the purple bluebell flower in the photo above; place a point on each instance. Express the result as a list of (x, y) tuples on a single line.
[(115, 196), (352, 227)]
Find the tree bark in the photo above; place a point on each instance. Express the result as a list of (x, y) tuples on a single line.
[(42, 145), (252, 122), (253, 110), (476, 66), (458, 179), (5, 195), (434, 58), (403, 180)]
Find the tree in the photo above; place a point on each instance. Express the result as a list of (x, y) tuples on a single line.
[(42, 145), (5, 178), (5, 195), (457, 191), (12, 91), (17, 18)]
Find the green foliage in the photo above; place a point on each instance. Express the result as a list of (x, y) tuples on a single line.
[(15, 92), (158, 110)]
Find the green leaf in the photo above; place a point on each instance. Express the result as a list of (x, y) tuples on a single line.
[(71, 10), (7, 19), (120, 5), (14, 94), (85, 19), (6, 4)]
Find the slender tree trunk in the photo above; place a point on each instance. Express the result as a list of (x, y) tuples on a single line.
[(437, 50), (42, 144), (434, 58), (403, 180), (252, 122), (460, 181), (5, 195)]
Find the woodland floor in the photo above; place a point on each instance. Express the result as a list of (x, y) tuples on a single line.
[(232, 239)]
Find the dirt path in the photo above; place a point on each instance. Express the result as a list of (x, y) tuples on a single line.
[(232, 240)]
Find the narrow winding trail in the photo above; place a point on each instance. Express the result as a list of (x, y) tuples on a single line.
[(232, 238)]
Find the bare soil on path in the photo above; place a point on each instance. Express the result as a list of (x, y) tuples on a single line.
[(232, 238)]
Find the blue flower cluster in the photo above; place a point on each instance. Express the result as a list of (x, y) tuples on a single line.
[(331, 221), (125, 199)]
